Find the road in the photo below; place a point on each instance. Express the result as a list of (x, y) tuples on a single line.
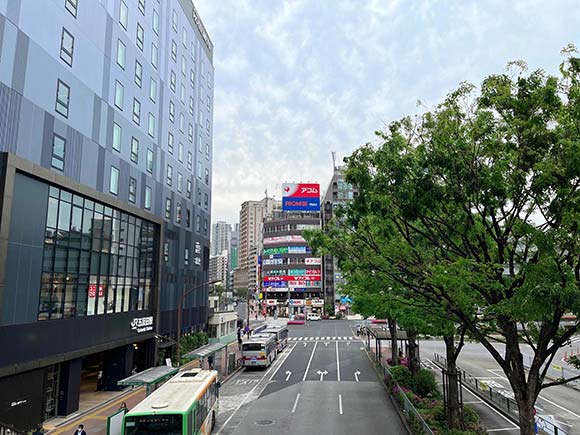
[(561, 402), (322, 383)]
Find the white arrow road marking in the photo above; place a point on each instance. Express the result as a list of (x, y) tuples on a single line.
[(348, 343), (322, 374), (356, 375), (309, 361), (326, 343), (288, 374), (295, 403), (340, 404), (304, 344)]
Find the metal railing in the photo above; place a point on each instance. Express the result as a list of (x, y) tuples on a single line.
[(501, 397), (413, 416)]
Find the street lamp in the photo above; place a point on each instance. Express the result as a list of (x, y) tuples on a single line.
[(179, 309)]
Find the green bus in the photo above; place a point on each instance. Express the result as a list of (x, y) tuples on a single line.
[(187, 404)]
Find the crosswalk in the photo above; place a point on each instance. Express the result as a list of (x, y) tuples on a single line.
[(323, 338)]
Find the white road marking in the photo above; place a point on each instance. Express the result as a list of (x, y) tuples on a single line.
[(493, 371), (356, 375), (309, 361), (295, 403), (288, 374), (311, 338), (300, 338), (322, 374), (334, 338), (243, 401), (337, 364), (340, 404), (282, 363), (558, 406)]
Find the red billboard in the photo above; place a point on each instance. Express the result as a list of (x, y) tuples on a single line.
[(301, 190), (292, 278)]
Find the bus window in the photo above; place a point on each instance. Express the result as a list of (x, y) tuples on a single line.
[(168, 424), (252, 347)]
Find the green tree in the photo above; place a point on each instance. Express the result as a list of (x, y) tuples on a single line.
[(474, 207)]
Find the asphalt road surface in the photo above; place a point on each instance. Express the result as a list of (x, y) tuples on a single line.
[(560, 403), (322, 383)]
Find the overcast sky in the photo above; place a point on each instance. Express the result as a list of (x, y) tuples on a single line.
[(295, 80)]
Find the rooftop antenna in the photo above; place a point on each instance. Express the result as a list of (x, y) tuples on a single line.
[(334, 159)]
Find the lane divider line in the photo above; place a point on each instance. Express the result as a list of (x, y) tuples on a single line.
[(295, 403), (337, 364), (340, 404), (310, 361)]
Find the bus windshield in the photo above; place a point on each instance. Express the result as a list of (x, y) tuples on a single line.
[(170, 424), (252, 347)]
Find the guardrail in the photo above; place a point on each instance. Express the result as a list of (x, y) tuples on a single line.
[(414, 417), (502, 398)]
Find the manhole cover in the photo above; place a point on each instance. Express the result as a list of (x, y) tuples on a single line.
[(264, 422)]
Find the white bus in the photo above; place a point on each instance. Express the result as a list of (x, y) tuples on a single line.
[(281, 334), (259, 350), (186, 404)]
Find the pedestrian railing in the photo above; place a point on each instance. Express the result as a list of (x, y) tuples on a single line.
[(415, 419), (502, 398)]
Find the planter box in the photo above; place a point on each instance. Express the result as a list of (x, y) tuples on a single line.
[(296, 322)]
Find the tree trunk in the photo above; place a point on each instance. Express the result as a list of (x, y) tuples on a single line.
[(413, 356), (394, 343), (452, 399), (526, 415)]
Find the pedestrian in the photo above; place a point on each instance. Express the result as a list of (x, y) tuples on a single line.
[(247, 331), (239, 338), (39, 430), (80, 430), (123, 407), (256, 315), (99, 380)]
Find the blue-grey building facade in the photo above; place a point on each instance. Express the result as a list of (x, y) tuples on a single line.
[(106, 121)]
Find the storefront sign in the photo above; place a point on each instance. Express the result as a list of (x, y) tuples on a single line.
[(142, 324), (312, 261), (18, 402), (298, 272), (271, 302), (317, 303), (296, 302), (93, 291), (283, 239), (313, 272), (300, 190)]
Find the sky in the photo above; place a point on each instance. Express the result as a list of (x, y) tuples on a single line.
[(296, 80)]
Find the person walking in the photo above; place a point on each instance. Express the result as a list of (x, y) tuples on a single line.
[(39, 430), (80, 430), (239, 338), (123, 407)]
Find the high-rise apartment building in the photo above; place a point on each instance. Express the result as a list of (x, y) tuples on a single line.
[(106, 139), (218, 268), (339, 192), (221, 235)]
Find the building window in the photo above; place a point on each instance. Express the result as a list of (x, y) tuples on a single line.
[(132, 190), (193, 50), (141, 6), (173, 51), (167, 208), (207, 176), (134, 150), (181, 122), (207, 126), (179, 182), (121, 50), (138, 74), (71, 6), (184, 37), (180, 152), (183, 66), (169, 176), (155, 22), (114, 181), (152, 90), (67, 46), (140, 36), (149, 160), (186, 255), (205, 226), (148, 197), (166, 251), (119, 91), (198, 223), (192, 78), (174, 20), (170, 143), (154, 55), (136, 111), (189, 160), (151, 128), (62, 98), (172, 81), (178, 213), (188, 218), (182, 94), (117, 134), (171, 111), (123, 15), (208, 103), (190, 132), (58, 146), (199, 168), (207, 151), (191, 108), (205, 201), (189, 189), (202, 69), (200, 117)]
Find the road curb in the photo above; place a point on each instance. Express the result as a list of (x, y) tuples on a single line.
[(395, 404)]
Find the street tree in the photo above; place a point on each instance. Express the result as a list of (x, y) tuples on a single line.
[(474, 206)]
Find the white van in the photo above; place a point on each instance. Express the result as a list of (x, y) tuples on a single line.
[(312, 316)]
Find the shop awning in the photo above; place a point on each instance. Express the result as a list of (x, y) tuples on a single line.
[(150, 376), (204, 351)]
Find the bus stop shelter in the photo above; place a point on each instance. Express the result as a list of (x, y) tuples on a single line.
[(149, 378), (212, 353), (380, 333)]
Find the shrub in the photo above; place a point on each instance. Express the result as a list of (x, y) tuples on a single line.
[(403, 376), (424, 383)]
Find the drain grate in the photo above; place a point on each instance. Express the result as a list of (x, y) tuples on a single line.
[(264, 422)]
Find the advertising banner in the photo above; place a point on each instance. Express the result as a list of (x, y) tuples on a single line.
[(296, 302), (313, 272), (312, 261), (294, 284), (300, 190), (317, 303), (271, 302), (298, 289), (278, 250), (307, 226), (303, 278), (283, 239), (297, 272), (273, 261), (297, 249), (301, 204), (274, 284)]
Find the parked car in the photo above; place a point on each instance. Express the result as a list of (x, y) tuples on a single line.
[(312, 316)]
